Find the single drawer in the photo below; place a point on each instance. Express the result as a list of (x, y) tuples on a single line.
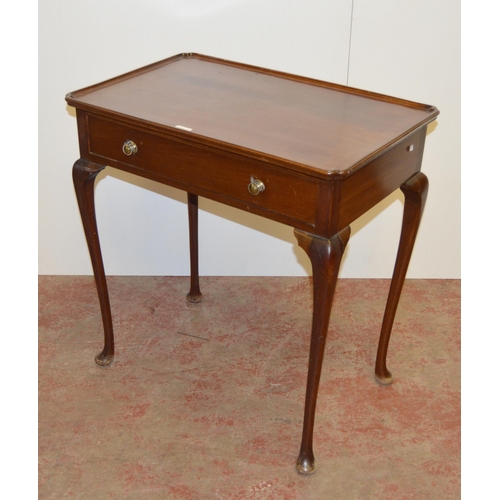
[(213, 173)]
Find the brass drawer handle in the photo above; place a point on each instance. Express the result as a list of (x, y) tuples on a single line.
[(256, 187), (129, 148)]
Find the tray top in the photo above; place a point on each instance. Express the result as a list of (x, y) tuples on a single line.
[(317, 127)]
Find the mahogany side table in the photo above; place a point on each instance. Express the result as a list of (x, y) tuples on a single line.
[(303, 152)]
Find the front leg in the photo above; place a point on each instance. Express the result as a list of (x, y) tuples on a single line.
[(326, 255), (415, 191), (84, 175)]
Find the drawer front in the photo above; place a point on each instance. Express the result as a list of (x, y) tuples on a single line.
[(213, 173)]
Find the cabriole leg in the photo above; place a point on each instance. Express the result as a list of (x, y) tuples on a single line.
[(325, 255), (194, 294), (415, 191), (84, 175)]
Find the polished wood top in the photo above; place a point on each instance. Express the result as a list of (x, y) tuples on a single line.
[(314, 127)]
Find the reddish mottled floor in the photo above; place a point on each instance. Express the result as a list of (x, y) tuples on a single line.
[(204, 401)]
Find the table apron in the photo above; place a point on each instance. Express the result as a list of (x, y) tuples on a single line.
[(362, 190), (322, 207)]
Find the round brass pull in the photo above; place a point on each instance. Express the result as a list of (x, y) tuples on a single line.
[(256, 187), (129, 148)]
